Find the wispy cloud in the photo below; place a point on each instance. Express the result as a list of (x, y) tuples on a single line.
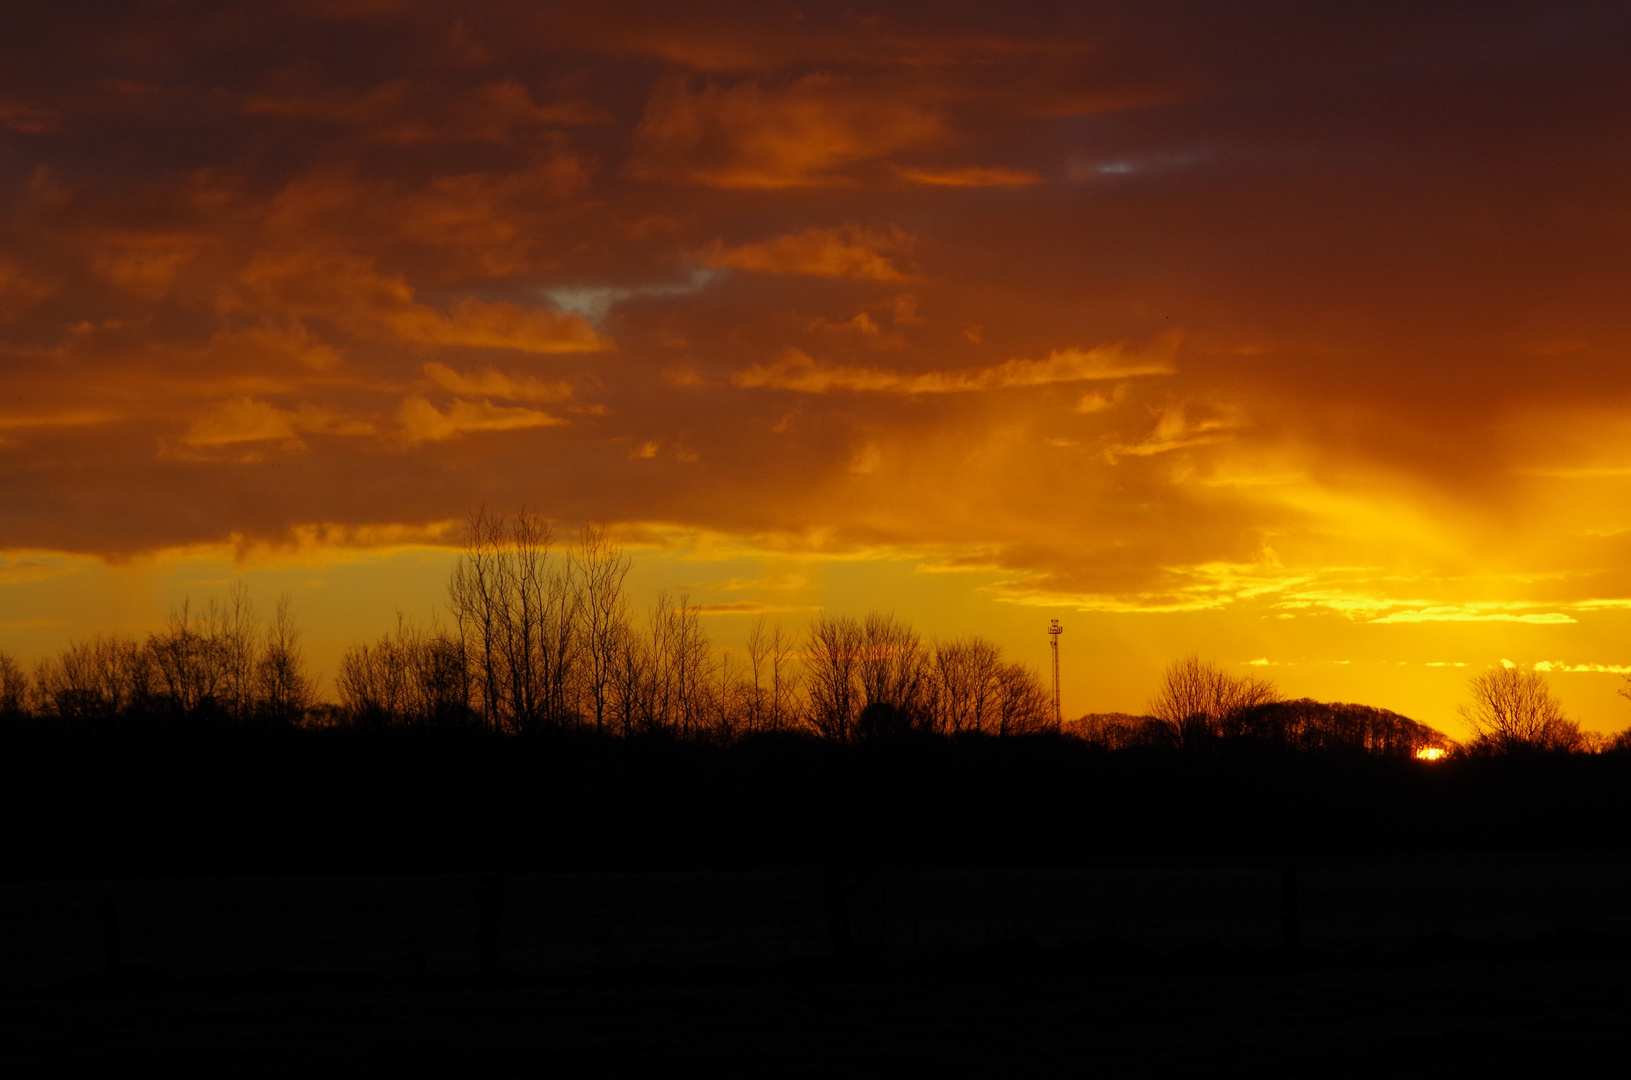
[(970, 176), (423, 422), (797, 370)]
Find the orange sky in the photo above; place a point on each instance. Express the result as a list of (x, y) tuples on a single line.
[(1295, 334)]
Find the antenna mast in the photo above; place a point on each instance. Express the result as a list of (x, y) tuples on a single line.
[(1054, 630)]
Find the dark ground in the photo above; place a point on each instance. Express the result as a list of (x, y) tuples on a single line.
[(1409, 965)]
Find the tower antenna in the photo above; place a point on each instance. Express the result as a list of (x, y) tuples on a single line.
[(1054, 630)]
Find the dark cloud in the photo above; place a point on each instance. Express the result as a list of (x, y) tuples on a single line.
[(890, 278)]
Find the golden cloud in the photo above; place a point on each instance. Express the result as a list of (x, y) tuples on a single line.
[(796, 370), (1469, 614), (423, 422)]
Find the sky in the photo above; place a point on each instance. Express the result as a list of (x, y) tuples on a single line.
[(1291, 335)]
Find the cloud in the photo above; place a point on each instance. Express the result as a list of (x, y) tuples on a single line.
[(492, 384), (1469, 615), (779, 582), (1176, 428), (849, 251), (65, 418), (796, 370), (595, 302), (423, 422), (970, 176), (246, 420), (274, 345), (349, 289), (800, 134), (749, 607)]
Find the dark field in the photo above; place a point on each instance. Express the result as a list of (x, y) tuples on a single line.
[(1409, 965)]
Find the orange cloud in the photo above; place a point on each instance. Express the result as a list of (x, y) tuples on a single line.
[(971, 176), (493, 384), (350, 290), (246, 420), (423, 422), (798, 135), (274, 344), (496, 326), (796, 370), (849, 251), (146, 264)]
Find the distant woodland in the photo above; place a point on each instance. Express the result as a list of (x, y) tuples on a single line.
[(544, 722)]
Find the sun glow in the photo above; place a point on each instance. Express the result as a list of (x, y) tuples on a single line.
[(1429, 753)]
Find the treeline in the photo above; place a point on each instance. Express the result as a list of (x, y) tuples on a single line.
[(1303, 725), (542, 639), (1199, 706), (219, 663)]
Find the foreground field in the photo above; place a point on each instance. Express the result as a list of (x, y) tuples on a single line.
[(1405, 966)]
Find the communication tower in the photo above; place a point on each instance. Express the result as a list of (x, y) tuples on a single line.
[(1054, 630)]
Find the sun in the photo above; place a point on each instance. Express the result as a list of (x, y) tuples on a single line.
[(1429, 753)]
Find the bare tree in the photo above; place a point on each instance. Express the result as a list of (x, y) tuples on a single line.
[(1514, 710), (603, 617), (630, 682), (189, 659), (854, 665), (475, 596), (96, 680), (283, 690), (1198, 699), (756, 708), (414, 675), (786, 683), (1023, 706), (967, 676), (518, 615), (13, 688), (894, 668), (832, 671), (691, 663)]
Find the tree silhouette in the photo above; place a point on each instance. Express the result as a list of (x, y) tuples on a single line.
[(13, 688), (1514, 711), (1199, 700)]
